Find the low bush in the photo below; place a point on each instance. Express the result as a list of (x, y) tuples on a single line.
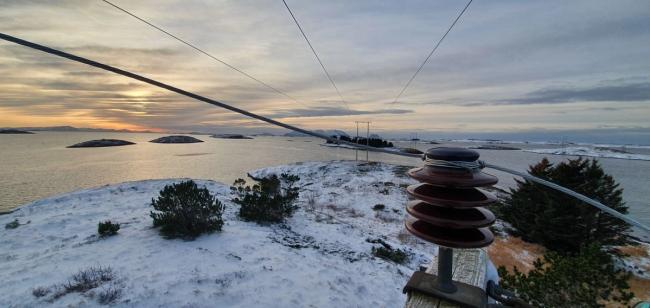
[(12, 225), (269, 201), (586, 279), (387, 252), (107, 228), (40, 291), (183, 210), (95, 281), (109, 295), (89, 278)]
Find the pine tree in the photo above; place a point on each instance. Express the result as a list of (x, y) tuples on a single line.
[(561, 222), (184, 210), (270, 201), (587, 279)]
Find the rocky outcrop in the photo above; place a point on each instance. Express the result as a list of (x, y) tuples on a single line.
[(101, 143), (410, 151), (230, 136), (176, 139), (495, 147), (14, 131)]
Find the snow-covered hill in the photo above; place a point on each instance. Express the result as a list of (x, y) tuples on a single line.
[(591, 152), (320, 258)]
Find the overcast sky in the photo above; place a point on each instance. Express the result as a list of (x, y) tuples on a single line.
[(507, 66)]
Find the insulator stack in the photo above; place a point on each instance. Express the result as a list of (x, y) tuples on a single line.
[(448, 209)]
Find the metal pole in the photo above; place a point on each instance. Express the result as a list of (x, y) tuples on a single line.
[(367, 139), (356, 152), (445, 269)]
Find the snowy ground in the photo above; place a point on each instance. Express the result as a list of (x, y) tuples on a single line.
[(320, 258), (591, 152)]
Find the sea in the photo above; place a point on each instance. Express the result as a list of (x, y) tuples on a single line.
[(40, 165)]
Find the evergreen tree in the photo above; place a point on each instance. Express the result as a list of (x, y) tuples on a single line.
[(561, 222), (586, 279), (184, 210), (270, 201)]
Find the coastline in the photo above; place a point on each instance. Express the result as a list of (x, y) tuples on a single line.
[(331, 229)]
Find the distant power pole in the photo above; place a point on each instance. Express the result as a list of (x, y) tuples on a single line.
[(367, 136)]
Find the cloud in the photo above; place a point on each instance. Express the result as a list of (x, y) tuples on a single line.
[(333, 112), (502, 52), (636, 92)]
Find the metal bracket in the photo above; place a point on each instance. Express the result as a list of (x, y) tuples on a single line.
[(464, 296)]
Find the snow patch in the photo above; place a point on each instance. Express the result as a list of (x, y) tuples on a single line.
[(320, 258), (591, 152)]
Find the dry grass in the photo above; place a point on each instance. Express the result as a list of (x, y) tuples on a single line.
[(350, 212), (513, 251), (641, 289), (634, 251), (406, 237)]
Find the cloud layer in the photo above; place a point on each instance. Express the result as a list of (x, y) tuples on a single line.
[(507, 66)]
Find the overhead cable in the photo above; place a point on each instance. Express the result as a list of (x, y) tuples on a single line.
[(191, 95), (202, 51), (308, 132), (316, 54), (431, 53)]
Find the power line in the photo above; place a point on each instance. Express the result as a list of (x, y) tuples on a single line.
[(202, 51), (195, 96), (304, 131), (432, 51), (315, 54)]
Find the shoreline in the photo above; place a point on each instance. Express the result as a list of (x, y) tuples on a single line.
[(335, 219)]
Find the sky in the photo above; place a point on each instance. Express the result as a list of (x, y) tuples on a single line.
[(554, 68)]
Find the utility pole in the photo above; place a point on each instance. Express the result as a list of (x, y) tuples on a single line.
[(367, 136), (356, 151), (367, 140)]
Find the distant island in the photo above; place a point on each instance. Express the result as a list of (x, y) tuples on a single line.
[(411, 151), (101, 143), (176, 139), (374, 141), (332, 133), (495, 147), (14, 131), (74, 129), (230, 136)]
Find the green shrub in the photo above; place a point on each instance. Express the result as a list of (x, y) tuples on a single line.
[(561, 222), (107, 228), (12, 225), (269, 201), (183, 210), (587, 279), (391, 254)]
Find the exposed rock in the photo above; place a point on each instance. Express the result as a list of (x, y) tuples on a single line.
[(101, 143), (230, 136), (14, 131), (176, 139), (410, 151), (495, 147)]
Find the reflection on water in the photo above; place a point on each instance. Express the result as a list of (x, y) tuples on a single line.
[(40, 165)]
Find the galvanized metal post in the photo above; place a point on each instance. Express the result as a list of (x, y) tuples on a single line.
[(445, 270)]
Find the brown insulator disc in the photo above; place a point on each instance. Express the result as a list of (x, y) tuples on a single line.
[(453, 238), (453, 218), (451, 197), (450, 177)]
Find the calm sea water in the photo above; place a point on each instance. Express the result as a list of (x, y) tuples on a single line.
[(39, 165)]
